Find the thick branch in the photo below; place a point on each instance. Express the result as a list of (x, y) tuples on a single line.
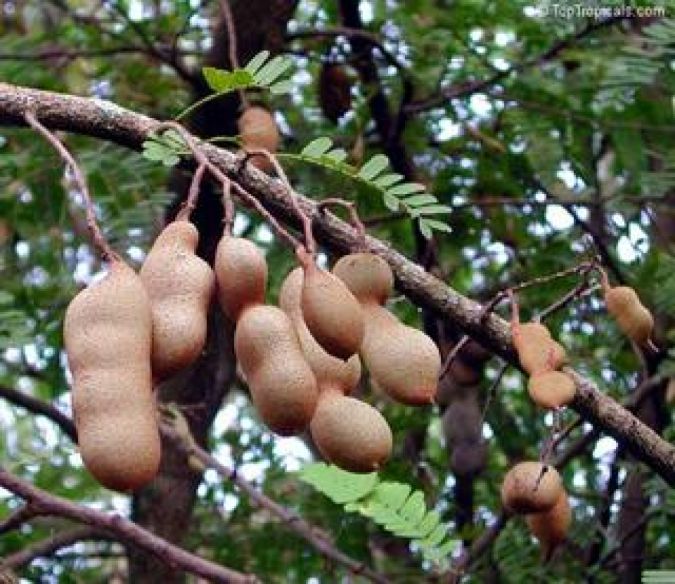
[(110, 122), (122, 529)]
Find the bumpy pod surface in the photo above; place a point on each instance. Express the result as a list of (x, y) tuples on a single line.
[(551, 389), (332, 314), (283, 387), (258, 129), (551, 527), (180, 286), (108, 340), (350, 433), (328, 370), (241, 275), (630, 314), (403, 361), (531, 487), (537, 351)]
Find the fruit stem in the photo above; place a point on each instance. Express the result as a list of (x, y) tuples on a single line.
[(201, 158), (304, 218), (354, 218), (228, 208), (98, 238), (193, 194)]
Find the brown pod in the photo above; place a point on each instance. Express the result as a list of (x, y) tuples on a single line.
[(180, 286), (332, 314), (551, 389), (531, 487), (107, 334), (537, 351), (329, 371), (367, 276), (335, 96), (258, 129), (403, 361), (283, 387), (633, 318), (241, 275), (350, 433), (551, 527)]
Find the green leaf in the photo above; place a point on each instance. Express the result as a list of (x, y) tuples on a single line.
[(256, 62), (390, 494), (407, 189), (373, 167), (419, 200), (434, 209), (338, 154), (272, 70), (338, 485), (414, 508), (317, 147), (434, 538), (281, 87), (388, 179), (438, 225), (425, 229), (223, 81), (390, 202), (429, 523)]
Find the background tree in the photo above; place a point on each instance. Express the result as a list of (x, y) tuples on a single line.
[(552, 141)]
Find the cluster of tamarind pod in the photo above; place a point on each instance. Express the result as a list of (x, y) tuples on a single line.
[(128, 332), (535, 489)]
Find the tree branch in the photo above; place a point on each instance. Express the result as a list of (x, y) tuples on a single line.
[(38, 406), (468, 88), (307, 531), (49, 546), (107, 121), (122, 529)]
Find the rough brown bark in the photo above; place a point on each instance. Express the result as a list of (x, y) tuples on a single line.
[(113, 123)]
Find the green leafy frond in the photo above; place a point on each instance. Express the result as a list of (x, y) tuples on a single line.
[(259, 72), (392, 505), (166, 147), (396, 194)]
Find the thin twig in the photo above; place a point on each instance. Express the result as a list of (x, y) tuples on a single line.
[(232, 44), (48, 546), (18, 517), (228, 207), (122, 529), (38, 406), (313, 535), (97, 235)]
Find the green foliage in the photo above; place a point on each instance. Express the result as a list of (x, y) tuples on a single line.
[(395, 192), (391, 505), (259, 72)]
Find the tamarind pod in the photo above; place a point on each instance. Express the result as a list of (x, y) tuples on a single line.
[(180, 286), (551, 527), (350, 433), (551, 389), (258, 130), (241, 275), (332, 315), (282, 385), (531, 487), (108, 340), (329, 371), (634, 320)]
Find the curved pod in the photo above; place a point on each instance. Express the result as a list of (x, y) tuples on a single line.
[(107, 335), (241, 275), (551, 527), (531, 487), (350, 433), (283, 387), (403, 361), (329, 371), (180, 287), (332, 314)]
